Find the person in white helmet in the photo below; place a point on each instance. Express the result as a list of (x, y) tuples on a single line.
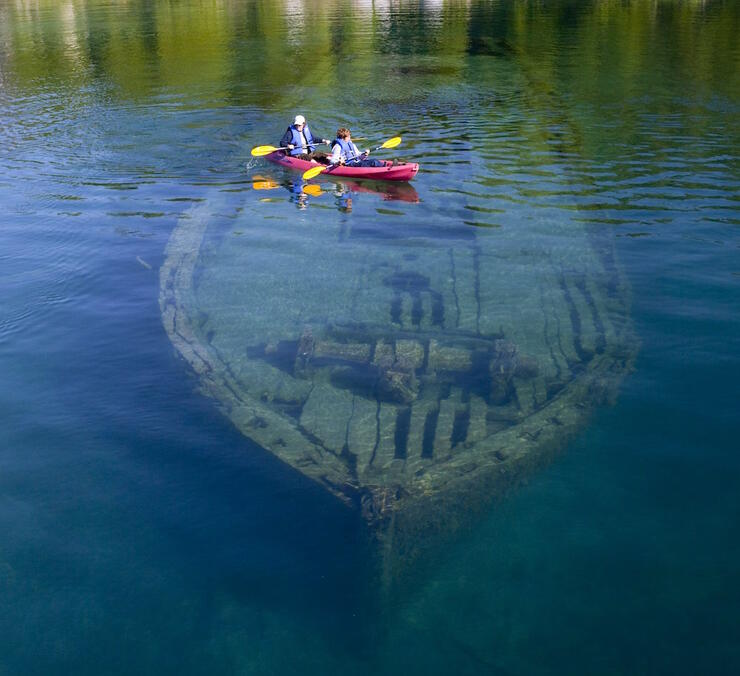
[(300, 142)]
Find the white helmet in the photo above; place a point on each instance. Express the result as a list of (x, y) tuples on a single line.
[(299, 119)]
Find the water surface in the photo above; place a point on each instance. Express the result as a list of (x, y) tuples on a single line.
[(142, 532)]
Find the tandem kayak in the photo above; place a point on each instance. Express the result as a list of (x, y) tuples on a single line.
[(404, 171)]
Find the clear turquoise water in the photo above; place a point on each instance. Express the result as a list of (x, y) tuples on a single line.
[(141, 533)]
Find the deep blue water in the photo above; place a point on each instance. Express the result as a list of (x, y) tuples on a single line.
[(140, 532)]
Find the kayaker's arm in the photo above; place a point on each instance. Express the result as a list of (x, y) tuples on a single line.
[(285, 142), (336, 154)]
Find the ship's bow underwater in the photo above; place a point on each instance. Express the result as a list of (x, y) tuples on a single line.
[(414, 378), (415, 362)]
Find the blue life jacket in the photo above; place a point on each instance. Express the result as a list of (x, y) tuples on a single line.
[(348, 152), (297, 141)]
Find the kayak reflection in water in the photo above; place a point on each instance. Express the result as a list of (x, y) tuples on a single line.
[(342, 197), (344, 151), (297, 195), (343, 192), (301, 194), (300, 142)]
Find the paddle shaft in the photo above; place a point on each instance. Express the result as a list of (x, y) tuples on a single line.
[(327, 169), (354, 157), (315, 171), (316, 143), (261, 151)]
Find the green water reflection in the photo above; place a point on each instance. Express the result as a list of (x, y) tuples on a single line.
[(250, 52)]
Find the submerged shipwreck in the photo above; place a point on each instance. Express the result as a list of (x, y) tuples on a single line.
[(414, 375)]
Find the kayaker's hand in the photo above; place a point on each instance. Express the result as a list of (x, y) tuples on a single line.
[(367, 152), (290, 146), (325, 141)]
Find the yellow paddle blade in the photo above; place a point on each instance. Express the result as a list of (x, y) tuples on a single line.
[(392, 142), (265, 185), (314, 171), (313, 190), (260, 151)]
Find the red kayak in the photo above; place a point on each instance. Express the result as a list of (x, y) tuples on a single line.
[(388, 172)]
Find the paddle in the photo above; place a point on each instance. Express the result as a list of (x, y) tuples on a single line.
[(315, 171), (313, 190), (265, 185), (261, 151)]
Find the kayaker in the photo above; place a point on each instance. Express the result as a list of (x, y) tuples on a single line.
[(299, 140), (344, 151)]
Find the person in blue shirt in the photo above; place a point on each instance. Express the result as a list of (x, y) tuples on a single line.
[(344, 151), (300, 142)]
